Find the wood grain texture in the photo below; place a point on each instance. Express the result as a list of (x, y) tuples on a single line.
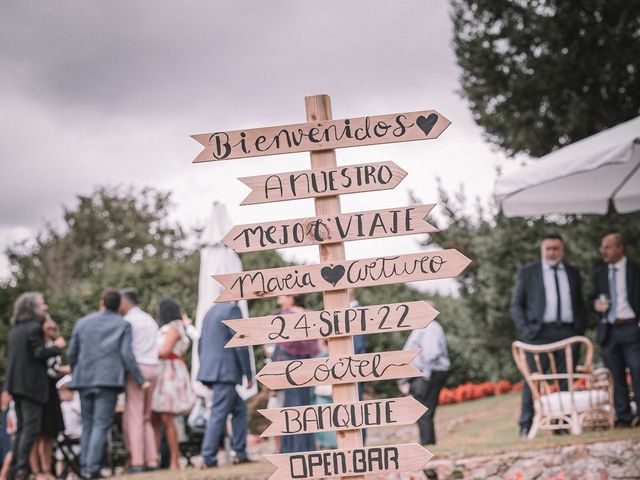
[(332, 417), (330, 323), (321, 134), (298, 232), (409, 457), (318, 109), (337, 370), (322, 182), (341, 275)]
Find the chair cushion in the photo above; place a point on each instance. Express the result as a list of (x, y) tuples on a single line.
[(559, 403)]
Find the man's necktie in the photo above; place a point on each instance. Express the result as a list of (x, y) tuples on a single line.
[(559, 302), (613, 295)]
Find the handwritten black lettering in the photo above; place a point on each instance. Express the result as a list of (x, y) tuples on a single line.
[(333, 463), (349, 368)]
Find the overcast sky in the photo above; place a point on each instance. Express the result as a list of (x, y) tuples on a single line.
[(109, 92)]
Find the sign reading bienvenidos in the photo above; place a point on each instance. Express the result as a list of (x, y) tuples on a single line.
[(325, 182), (307, 137)]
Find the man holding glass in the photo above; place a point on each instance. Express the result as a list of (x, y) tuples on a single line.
[(547, 306), (616, 294)]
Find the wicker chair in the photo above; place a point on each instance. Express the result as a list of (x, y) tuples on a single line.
[(573, 400)]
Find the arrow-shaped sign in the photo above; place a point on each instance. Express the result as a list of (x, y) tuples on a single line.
[(331, 417), (365, 367), (341, 275), (330, 229), (364, 177), (408, 457), (292, 327), (322, 135)]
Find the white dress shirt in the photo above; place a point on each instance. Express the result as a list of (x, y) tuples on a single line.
[(434, 355), (551, 299), (144, 331), (623, 309)]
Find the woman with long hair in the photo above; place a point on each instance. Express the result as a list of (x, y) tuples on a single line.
[(173, 394)]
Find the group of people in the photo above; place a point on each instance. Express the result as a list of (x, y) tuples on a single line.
[(548, 306), (118, 350)]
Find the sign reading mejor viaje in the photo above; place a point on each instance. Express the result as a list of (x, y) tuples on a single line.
[(338, 322)]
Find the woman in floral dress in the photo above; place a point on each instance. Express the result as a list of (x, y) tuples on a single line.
[(173, 394)]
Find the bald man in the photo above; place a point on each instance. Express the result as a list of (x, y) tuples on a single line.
[(616, 295)]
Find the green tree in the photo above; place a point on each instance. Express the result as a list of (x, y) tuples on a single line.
[(480, 336), (545, 73), (112, 238)]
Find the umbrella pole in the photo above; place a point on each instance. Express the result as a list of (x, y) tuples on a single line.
[(318, 109)]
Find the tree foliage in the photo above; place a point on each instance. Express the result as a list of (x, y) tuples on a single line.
[(119, 237), (480, 337), (545, 73)]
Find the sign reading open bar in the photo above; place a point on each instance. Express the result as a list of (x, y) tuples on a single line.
[(408, 457)]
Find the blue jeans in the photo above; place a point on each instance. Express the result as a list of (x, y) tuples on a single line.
[(98, 406), (225, 401)]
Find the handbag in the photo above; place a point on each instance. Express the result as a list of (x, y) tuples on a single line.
[(199, 415)]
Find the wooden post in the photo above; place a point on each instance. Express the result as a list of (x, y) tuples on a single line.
[(318, 108)]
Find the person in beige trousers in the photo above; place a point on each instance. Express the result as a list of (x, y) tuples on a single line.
[(136, 421)]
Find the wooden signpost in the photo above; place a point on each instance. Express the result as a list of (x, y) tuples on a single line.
[(341, 275), (339, 228), (330, 323), (337, 323), (332, 417), (325, 182), (349, 462)]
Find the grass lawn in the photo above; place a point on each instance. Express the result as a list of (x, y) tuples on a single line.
[(479, 427)]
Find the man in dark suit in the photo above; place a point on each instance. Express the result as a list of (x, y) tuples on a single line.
[(616, 295), (547, 306), (99, 351), (26, 376), (222, 369)]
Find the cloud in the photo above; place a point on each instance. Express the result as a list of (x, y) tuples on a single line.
[(109, 92)]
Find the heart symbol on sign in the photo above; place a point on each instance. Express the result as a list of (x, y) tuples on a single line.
[(426, 124), (332, 275)]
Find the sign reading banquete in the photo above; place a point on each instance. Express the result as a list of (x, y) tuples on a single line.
[(331, 417)]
